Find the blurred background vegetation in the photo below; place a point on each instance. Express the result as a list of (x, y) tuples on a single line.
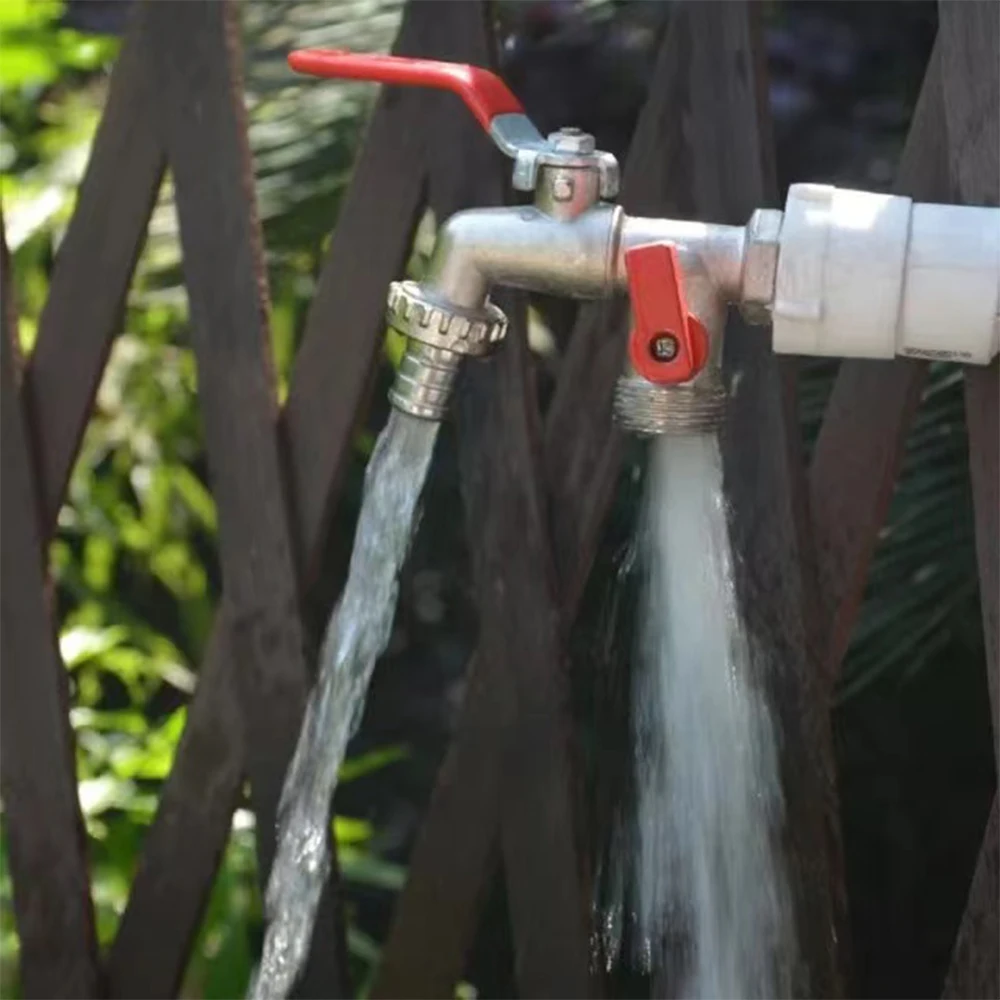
[(134, 560)]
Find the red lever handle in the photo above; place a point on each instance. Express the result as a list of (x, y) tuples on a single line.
[(667, 343), (484, 92)]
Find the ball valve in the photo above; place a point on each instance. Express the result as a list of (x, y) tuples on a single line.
[(842, 273)]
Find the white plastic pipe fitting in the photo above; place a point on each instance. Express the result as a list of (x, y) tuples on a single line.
[(875, 276)]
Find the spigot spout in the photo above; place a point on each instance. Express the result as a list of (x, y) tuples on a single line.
[(450, 315), (439, 334)]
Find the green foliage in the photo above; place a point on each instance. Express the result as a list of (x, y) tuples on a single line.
[(922, 596), (36, 51), (921, 603), (134, 558)]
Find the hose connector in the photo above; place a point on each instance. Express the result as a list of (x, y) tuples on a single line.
[(439, 334)]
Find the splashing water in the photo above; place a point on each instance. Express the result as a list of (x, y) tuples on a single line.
[(709, 885), (358, 632)]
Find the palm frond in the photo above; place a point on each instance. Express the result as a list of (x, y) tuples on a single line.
[(922, 587)]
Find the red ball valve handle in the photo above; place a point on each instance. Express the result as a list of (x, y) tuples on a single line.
[(667, 343), (485, 94), (487, 97)]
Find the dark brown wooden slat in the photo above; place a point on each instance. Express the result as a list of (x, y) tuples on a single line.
[(518, 614), (435, 917), (341, 340), (195, 57), (548, 886), (970, 80), (183, 847), (46, 841), (547, 892), (975, 964), (92, 273), (860, 445), (370, 245), (982, 390), (970, 40), (8, 304), (519, 644)]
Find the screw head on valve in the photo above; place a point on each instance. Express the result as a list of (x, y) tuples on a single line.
[(663, 347), (572, 140)]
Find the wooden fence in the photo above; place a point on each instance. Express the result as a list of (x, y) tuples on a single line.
[(505, 796)]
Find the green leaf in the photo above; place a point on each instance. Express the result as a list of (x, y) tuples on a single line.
[(376, 760), (24, 64), (23, 14), (362, 946), (98, 562), (177, 567), (81, 644), (195, 496), (130, 723), (153, 758), (366, 869), (921, 589), (86, 52), (97, 795), (347, 830), (394, 346)]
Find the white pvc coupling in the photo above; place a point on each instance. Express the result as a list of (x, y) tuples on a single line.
[(872, 276)]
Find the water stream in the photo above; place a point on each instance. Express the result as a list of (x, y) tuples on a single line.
[(707, 882), (358, 632)]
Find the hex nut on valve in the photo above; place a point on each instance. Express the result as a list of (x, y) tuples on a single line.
[(760, 265), (572, 140)]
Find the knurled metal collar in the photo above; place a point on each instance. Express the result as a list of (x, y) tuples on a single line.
[(648, 409), (411, 310)]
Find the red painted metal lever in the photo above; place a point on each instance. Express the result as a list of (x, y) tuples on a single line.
[(484, 92), (667, 344)]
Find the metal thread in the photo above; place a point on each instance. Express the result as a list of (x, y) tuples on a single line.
[(424, 380), (647, 409)]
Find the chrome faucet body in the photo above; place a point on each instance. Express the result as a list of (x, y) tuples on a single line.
[(581, 255)]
